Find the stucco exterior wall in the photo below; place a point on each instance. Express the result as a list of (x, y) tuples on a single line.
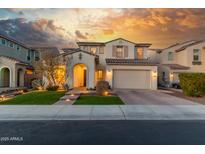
[(153, 56), (89, 61), (11, 52), (17, 67), (13, 67), (164, 53), (182, 58), (189, 52), (109, 48), (10, 64)]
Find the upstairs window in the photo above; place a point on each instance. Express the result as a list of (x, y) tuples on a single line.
[(196, 55), (170, 56), (139, 53), (18, 47), (119, 52), (11, 44), (37, 56), (3, 42), (29, 55), (93, 50)]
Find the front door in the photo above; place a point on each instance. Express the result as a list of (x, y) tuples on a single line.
[(79, 75)]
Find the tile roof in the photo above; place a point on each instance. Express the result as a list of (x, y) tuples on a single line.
[(13, 40), (140, 62), (103, 43), (91, 43), (176, 66), (15, 59), (188, 45), (179, 44), (74, 50), (53, 51)]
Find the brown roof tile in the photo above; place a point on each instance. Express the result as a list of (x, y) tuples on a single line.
[(176, 66), (103, 43), (15, 59), (140, 62), (188, 45), (14, 41), (74, 50)]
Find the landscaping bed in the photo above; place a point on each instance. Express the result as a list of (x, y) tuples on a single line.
[(35, 98)]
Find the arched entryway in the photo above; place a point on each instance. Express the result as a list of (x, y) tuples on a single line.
[(5, 77), (79, 75), (20, 77)]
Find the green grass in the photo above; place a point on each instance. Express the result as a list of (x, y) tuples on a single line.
[(35, 98), (98, 100)]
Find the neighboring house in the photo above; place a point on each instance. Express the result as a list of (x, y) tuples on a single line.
[(44, 51), (15, 63), (124, 64), (185, 57)]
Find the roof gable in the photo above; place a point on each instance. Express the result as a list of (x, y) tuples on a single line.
[(120, 39), (136, 44), (104, 43), (72, 51), (189, 45), (177, 46)]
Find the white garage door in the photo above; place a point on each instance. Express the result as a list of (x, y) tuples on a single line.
[(131, 79)]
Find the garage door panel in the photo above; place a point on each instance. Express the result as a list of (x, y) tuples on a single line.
[(131, 79)]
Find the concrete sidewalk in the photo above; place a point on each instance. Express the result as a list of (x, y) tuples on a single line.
[(103, 112)]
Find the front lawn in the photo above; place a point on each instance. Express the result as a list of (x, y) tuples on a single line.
[(35, 98), (98, 100)]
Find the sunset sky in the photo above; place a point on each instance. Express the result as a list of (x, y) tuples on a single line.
[(62, 27)]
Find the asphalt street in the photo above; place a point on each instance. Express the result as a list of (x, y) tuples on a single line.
[(102, 132)]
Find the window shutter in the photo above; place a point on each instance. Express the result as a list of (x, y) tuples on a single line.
[(97, 50), (114, 51), (101, 50), (125, 51)]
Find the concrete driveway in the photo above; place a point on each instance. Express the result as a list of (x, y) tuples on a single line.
[(150, 97)]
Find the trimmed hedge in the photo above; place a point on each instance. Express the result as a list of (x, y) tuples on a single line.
[(192, 84)]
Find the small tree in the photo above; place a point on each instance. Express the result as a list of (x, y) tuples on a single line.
[(52, 68)]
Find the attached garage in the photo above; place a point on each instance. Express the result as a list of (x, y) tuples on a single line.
[(131, 74), (132, 79)]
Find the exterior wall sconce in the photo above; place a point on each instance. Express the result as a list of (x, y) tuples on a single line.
[(154, 74), (171, 76), (109, 70)]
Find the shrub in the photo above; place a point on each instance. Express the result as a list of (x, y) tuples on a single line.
[(102, 87), (52, 88), (37, 84), (192, 84)]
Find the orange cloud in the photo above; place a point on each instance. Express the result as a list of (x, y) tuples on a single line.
[(108, 31)]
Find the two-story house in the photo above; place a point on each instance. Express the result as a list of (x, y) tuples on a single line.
[(15, 63), (183, 57), (124, 64)]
